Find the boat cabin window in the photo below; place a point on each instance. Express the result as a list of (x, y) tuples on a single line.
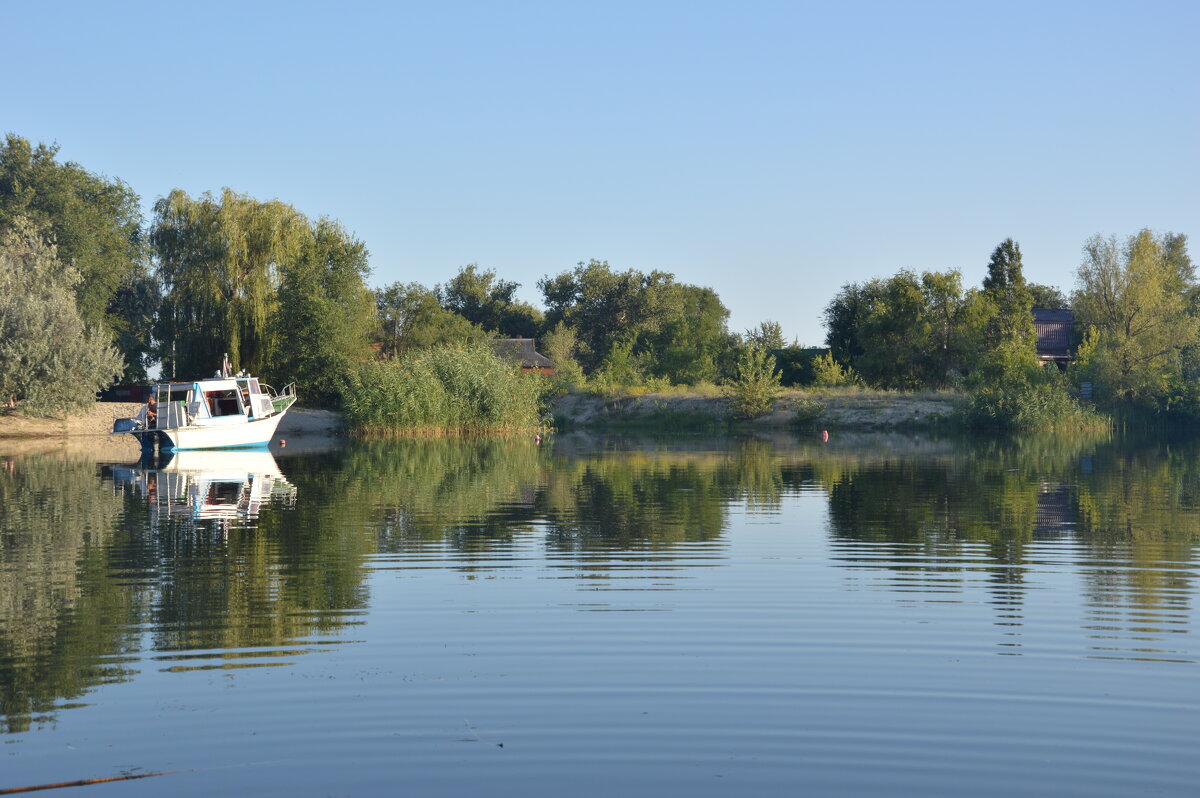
[(223, 403), (173, 395), (254, 386)]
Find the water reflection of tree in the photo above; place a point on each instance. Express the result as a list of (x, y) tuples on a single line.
[(471, 495), (1132, 509), (476, 496), (84, 564), (60, 618), (626, 499), (1139, 511)]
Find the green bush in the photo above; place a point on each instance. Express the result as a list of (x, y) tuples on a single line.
[(828, 373), (442, 390), (1028, 405), (756, 385)]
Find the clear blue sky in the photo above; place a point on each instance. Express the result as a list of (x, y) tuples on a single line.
[(773, 151)]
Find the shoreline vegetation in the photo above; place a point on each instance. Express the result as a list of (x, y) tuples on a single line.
[(795, 413), (676, 411), (440, 391), (91, 293)]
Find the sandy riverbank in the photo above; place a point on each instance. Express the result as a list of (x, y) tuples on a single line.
[(89, 433), (868, 410)]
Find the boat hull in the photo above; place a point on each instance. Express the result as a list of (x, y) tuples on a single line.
[(256, 433)]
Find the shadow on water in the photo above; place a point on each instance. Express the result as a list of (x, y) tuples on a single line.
[(234, 560)]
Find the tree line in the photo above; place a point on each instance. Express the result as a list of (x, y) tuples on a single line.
[(286, 295), (1136, 332), (91, 291)]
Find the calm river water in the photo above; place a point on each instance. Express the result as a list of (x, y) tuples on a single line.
[(876, 615)]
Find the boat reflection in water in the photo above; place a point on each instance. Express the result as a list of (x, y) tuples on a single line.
[(225, 486)]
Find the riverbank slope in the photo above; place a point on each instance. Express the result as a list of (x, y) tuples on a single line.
[(868, 410), (859, 409)]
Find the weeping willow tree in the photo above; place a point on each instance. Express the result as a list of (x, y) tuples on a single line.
[(220, 262)]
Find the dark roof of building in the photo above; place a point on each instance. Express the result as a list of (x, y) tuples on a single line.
[(1053, 314), (1053, 327), (520, 351)]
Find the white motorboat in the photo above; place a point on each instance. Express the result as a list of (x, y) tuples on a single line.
[(220, 412)]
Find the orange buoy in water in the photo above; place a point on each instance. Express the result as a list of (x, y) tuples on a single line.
[(282, 443), (825, 435)]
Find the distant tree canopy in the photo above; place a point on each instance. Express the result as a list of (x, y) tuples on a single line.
[(1011, 325), (96, 225), (911, 331), (482, 299), (767, 335), (51, 360), (630, 322), (285, 296), (1137, 311), (907, 331), (411, 318), (1009, 348), (1047, 296)]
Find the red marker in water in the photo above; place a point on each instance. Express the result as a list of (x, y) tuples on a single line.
[(825, 435)]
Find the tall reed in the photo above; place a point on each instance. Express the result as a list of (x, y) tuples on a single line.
[(444, 390)]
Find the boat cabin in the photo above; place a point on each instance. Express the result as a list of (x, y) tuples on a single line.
[(211, 402)]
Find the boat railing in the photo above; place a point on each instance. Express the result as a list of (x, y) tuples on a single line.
[(280, 400), (172, 415)]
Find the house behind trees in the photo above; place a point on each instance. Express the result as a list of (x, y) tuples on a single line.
[(1054, 328), (522, 352)]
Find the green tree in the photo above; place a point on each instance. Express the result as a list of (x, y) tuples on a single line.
[(410, 318), (51, 361), (1047, 296), (1135, 296), (958, 320), (756, 383), (559, 345), (1009, 355), (897, 335), (690, 339), (325, 314), (907, 331), (828, 373), (1005, 285), (220, 263), (639, 323), (482, 299), (844, 317), (767, 335), (96, 224), (132, 321), (606, 307)]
